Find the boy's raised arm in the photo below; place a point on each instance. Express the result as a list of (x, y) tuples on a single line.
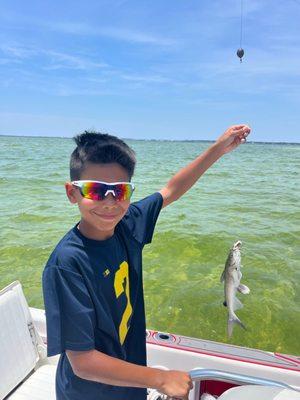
[(188, 176)]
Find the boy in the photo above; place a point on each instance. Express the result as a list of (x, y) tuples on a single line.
[(93, 279)]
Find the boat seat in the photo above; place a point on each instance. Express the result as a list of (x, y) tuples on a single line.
[(251, 392), (39, 386), (22, 350)]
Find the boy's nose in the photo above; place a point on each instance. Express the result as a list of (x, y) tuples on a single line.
[(109, 199)]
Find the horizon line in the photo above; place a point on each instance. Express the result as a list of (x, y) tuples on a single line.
[(149, 140)]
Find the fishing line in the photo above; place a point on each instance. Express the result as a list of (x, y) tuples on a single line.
[(241, 34), (240, 53)]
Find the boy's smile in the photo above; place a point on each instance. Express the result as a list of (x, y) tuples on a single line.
[(99, 218)]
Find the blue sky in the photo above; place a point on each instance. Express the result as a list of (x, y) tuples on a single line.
[(160, 69)]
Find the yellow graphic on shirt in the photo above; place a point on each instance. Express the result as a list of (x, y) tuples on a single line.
[(121, 284)]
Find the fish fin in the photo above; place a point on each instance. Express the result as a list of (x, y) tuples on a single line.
[(233, 319), (230, 324), (243, 289), (222, 278), (237, 304)]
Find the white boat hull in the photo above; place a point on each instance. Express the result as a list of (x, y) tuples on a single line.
[(186, 353)]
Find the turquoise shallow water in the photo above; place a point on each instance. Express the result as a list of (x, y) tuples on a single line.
[(251, 194)]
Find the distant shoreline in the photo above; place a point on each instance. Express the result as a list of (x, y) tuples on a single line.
[(154, 140)]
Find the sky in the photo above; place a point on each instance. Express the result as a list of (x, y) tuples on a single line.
[(160, 69)]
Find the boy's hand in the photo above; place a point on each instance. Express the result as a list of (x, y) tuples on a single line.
[(232, 138), (176, 384)]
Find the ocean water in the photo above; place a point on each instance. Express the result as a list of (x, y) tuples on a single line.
[(251, 194)]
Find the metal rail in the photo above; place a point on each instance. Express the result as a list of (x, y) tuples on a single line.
[(200, 374)]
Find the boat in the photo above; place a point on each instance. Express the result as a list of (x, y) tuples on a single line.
[(219, 370)]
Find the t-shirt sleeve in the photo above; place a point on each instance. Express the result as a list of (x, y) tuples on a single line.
[(69, 309), (142, 215)]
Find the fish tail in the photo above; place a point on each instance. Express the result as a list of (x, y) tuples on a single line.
[(233, 319)]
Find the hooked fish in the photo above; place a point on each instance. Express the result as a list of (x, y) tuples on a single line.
[(231, 277)]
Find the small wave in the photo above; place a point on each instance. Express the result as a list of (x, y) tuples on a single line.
[(26, 217)]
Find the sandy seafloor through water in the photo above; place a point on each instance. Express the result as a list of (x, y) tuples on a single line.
[(251, 194)]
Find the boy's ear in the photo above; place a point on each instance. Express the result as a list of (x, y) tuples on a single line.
[(70, 191)]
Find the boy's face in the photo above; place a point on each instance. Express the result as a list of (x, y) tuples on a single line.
[(99, 218)]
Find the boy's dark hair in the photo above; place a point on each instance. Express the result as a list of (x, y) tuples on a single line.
[(100, 148)]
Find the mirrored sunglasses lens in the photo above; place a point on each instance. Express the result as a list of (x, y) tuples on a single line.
[(123, 191), (93, 190)]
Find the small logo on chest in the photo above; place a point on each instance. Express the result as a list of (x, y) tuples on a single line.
[(106, 273)]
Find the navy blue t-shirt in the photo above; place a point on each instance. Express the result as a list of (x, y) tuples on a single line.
[(93, 295)]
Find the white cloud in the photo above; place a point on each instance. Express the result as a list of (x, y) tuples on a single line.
[(49, 59), (17, 52), (117, 33), (63, 60)]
